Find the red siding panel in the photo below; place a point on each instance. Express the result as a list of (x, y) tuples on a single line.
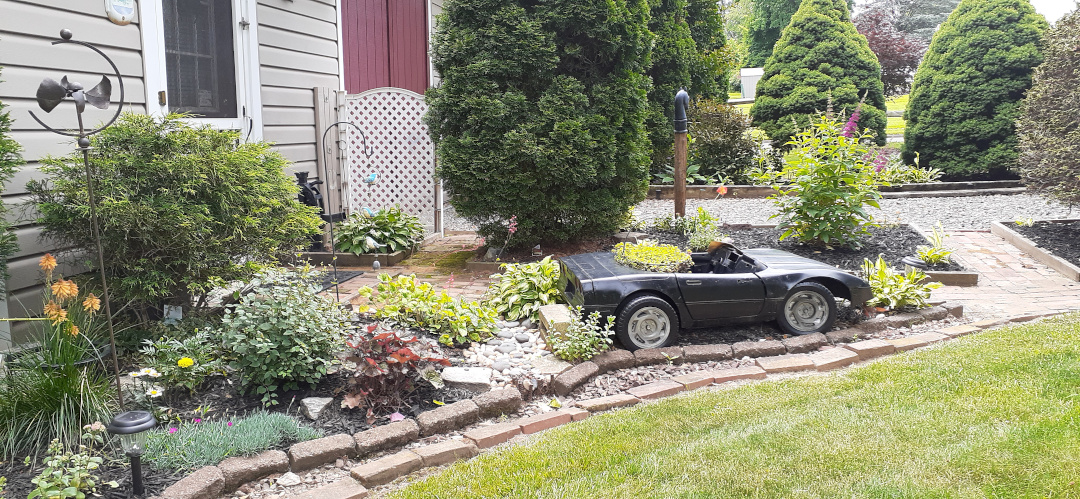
[(385, 44), (408, 45)]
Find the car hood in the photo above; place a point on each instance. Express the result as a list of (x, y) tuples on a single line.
[(782, 260)]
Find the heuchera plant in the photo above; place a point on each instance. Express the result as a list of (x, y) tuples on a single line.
[(386, 369)]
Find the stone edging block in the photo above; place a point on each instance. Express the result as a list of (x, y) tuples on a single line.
[(785, 363), (706, 353), (608, 402), (694, 380), (307, 455), (445, 452), (612, 360), (204, 483), (869, 349), (757, 349), (386, 469), (656, 389), (386, 436), (653, 356), (238, 470), (498, 402), (541, 422), (805, 343), (574, 377), (347, 488), (834, 358), (448, 417), (738, 373), (492, 435)]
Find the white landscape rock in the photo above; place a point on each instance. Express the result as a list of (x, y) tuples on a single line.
[(313, 406), (475, 379), (289, 480)]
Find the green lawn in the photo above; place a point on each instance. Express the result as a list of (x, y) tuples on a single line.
[(897, 103), (894, 126), (991, 415)]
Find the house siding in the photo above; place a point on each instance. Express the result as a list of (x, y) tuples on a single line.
[(298, 50), (27, 28)]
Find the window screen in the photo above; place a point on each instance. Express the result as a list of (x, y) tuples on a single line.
[(199, 61)]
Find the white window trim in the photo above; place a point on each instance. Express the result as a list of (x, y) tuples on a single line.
[(248, 83)]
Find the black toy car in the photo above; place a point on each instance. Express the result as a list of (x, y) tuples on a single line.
[(725, 285)]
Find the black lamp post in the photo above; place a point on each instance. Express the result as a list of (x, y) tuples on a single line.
[(130, 426)]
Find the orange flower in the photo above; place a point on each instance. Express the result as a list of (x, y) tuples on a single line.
[(721, 190), (74, 330), (55, 313), (91, 303), (47, 262), (64, 289)]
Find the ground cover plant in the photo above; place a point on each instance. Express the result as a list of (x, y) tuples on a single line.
[(1049, 124), (540, 114), (649, 256), (386, 231), (190, 445), (182, 209), (388, 365), (584, 337), (407, 302), (991, 414), (819, 58), (961, 116)]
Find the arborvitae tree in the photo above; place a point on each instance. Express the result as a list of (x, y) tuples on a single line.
[(1049, 125), (540, 114), (819, 54), (767, 19), (9, 160), (961, 117), (712, 71), (673, 58)]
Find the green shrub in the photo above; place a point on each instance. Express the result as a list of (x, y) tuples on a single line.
[(831, 184), (961, 116), (540, 114), (1048, 126), (184, 362), (936, 253), (820, 56), (522, 288), (190, 446), (386, 371), (387, 231), (583, 338), (766, 22), (652, 257), (67, 475), (411, 303), (673, 53), (182, 209), (9, 160), (283, 333), (686, 225), (895, 290), (722, 146)]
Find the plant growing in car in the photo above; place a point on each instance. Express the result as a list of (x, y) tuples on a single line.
[(412, 303), (283, 333), (386, 231), (831, 184), (522, 288), (387, 368), (936, 253), (896, 290), (583, 339), (699, 240), (649, 256)]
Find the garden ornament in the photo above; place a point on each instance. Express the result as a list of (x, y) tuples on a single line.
[(50, 94), (682, 99), (368, 151)]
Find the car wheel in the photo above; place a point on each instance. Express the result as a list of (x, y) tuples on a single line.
[(808, 308), (647, 321)]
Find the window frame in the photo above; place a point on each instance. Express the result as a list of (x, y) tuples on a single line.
[(246, 52)]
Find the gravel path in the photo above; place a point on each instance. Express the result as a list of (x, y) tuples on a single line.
[(973, 212)]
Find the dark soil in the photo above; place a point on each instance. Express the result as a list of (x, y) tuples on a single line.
[(1060, 238), (892, 242)]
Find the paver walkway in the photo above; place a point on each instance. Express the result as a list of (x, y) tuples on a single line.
[(1011, 283)]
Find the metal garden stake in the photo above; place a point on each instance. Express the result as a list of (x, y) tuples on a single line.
[(49, 95), (682, 99), (329, 217)]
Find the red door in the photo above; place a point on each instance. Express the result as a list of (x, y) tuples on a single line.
[(385, 44)]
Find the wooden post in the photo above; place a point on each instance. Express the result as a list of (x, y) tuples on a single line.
[(682, 99)]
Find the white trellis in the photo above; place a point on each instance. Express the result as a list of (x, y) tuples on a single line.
[(403, 159)]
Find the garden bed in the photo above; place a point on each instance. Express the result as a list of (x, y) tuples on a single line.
[(1051, 242), (345, 259)]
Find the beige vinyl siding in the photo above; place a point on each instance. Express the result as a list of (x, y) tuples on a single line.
[(27, 29), (298, 50)]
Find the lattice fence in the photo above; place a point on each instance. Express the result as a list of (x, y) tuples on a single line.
[(403, 159)]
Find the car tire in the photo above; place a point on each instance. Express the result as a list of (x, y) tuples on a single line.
[(646, 321), (808, 308)]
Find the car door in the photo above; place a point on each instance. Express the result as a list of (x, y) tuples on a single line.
[(720, 296)]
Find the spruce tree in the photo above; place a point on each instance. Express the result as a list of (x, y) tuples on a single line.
[(540, 114), (820, 54), (673, 58), (9, 160), (1049, 125), (961, 117)]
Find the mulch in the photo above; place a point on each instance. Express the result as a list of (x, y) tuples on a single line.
[(1059, 238)]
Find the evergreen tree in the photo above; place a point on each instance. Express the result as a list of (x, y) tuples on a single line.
[(767, 19), (9, 160), (673, 60), (1049, 125), (820, 54), (961, 117), (712, 71), (540, 114)]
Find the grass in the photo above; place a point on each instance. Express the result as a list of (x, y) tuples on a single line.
[(991, 415), (898, 103), (894, 126), (193, 445)]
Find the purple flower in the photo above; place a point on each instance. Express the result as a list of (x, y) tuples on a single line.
[(173, 430), (397, 416), (880, 162), (197, 420), (852, 124)]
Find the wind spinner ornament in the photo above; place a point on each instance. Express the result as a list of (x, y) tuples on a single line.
[(50, 94)]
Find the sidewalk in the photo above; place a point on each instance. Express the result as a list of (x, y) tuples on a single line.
[(1011, 283)]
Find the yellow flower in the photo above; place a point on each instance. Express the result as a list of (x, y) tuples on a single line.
[(185, 362), (91, 303), (55, 313), (47, 262), (64, 289)]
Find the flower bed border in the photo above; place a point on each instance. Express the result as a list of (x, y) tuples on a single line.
[(345, 259), (1028, 246), (929, 189)]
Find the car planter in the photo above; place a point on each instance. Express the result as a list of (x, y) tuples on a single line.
[(725, 286)]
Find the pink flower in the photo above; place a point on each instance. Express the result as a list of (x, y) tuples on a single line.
[(173, 430), (197, 420), (513, 224), (852, 124), (397, 416), (229, 423)]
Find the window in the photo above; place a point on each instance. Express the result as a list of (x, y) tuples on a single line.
[(201, 58)]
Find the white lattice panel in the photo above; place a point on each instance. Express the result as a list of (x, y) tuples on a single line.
[(403, 159)]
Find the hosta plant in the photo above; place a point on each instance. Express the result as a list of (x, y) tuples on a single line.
[(896, 290), (649, 256), (522, 288), (583, 339), (412, 303), (936, 253), (386, 231), (387, 367)]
